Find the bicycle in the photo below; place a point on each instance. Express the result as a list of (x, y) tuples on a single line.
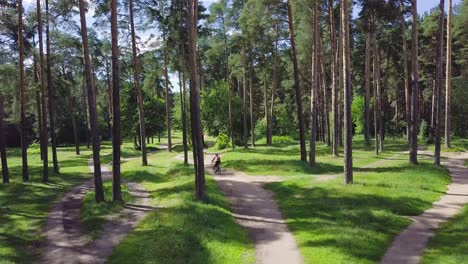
[(217, 169)]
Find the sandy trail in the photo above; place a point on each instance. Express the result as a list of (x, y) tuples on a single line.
[(64, 241)]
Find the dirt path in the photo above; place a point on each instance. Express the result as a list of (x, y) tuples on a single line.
[(64, 241), (409, 245)]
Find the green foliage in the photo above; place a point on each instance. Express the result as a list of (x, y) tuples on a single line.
[(260, 129), (426, 132), (459, 109), (357, 110), (222, 142), (282, 140), (93, 215)]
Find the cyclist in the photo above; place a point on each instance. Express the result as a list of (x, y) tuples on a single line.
[(217, 163)]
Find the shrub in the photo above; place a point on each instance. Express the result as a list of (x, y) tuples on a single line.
[(222, 142), (426, 132), (357, 109), (282, 140), (260, 129)]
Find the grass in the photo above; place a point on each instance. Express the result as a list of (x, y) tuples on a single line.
[(93, 215), (283, 160), (457, 145), (181, 230), (449, 245), (335, 223), (24, 206)]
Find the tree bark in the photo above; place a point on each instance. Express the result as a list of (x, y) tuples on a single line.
[(99, 189), (45, 168), (184, 114), (85, 110), (273, 91), (334, 85), (448, 76), (22, 88), (197, 132), (38, 104), (136, 77), (438, 90), (367, 88), (265, 104), (5, 173), (116, 129), (75, 129), (405, 73), (313, 88), (414, 87), (244, 100), (348, 147), (51, 91), (252, 122), (168, 106), (300, 114)]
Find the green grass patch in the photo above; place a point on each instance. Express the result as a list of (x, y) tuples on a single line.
[(93, 215), (182, 230), (24, 207), (449, 245), (284, 160), (335, 223)]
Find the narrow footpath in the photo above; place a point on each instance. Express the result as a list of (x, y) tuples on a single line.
[(64, 241), (409, 245)]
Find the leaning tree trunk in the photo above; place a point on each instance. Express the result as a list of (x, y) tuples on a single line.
[(405, 74), (438, 90), (50, 87), (348, 147), (334, 88), (300, 114), (448, 76), (136, 77), (197, 132), (85, 107), (99, 189), (116, 129), (5, 173), (414, 87), (45, 168), (168, 106), (22, 88)]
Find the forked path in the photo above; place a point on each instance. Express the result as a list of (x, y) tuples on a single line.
[(64, 241), (254, 208), (409, 245)]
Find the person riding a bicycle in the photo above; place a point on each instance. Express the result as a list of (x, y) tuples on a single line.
[(217, 162)]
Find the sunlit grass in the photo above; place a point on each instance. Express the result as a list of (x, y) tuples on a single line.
[(181, 230)]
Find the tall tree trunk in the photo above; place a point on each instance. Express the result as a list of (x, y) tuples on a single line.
[(109, 94), (439, 76), (334, 85), (252, 122), (195, 101), (404, 55), (168, 105), (448, 76), (45, 168), (136, 77), (300, 114), (433, 104), (5, 173), (265, 104), (184, 113), (348, 143), (99, 189), (116, 130), (85, 110), (38, 104), (367, 84), (313, 90), (325, 94), (414, 86), (22, 88), (379, 95), (51, 91), (273, 91), (226, 55), (244, 101), (75, 128), (376, 98)]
